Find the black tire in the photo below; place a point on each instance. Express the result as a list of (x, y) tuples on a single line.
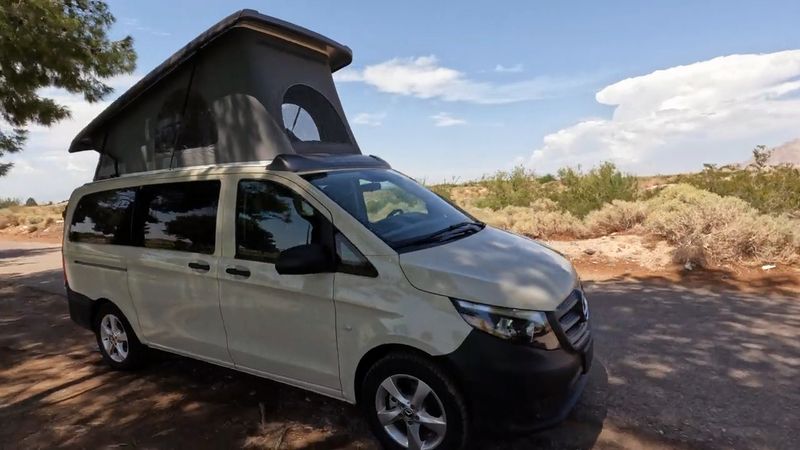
[(456, 434), (136, 351)]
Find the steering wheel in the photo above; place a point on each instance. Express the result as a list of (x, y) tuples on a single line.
[(395, 212)]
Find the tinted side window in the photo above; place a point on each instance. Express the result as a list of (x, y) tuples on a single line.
[(103, 217), (271, 218), (180, 216)]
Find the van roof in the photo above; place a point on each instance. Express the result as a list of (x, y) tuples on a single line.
[(298, 164), (338, 56)]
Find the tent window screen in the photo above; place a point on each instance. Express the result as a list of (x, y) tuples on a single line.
[(309, 117), (181, 128)]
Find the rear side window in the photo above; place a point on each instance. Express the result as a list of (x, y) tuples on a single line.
[(103, 217), (271, 218), (180, 216)]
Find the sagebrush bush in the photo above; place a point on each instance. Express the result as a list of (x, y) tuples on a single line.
[(540, 220), (708, 228), (619, 215)]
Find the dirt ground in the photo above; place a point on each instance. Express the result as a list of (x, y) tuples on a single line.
[(683, 360)]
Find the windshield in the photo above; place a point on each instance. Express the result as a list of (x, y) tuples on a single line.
[(396, 208)]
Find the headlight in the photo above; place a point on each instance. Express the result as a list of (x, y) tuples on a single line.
[(517, 325)]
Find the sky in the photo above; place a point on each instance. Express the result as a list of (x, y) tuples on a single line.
[(451, 91)]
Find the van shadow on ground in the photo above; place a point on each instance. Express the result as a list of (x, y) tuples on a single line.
[(688, 364)]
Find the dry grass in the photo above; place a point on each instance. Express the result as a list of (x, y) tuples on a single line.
[(20, 218), (619, 215)]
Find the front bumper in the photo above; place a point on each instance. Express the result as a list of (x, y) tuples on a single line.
[(518, 388)]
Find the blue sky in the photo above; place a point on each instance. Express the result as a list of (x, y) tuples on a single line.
[(454, 90)]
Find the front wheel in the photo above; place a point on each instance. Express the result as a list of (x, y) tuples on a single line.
[(118, 343), (411, 403)]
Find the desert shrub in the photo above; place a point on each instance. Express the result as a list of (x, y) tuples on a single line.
[(619, 215), (49, 221), (543, 219), (33, 220), (547, 178), (771, 190), (442, 190), (518, 187), (5, 202), (582, 193), (707, 228), (467, 195)]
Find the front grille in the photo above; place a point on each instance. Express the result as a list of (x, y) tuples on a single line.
[(573, 319)]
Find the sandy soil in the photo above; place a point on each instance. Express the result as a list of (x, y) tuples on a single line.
[(51, 234), (645, 252)]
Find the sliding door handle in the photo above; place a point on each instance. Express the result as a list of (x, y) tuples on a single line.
[(200, 265), (238, 271)]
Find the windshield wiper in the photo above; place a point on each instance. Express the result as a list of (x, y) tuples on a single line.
[(450, 232)]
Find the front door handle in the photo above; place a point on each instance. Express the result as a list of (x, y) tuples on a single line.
[(200, 265), (238, 271)]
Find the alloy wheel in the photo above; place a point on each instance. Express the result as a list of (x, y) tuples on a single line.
[(411, 412), (114, 338)]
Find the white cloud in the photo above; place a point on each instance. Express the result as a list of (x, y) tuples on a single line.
[(516, 68), (369, 119), (444, 119), (130, 24), (677, 118), (424, 77), (43, 169)]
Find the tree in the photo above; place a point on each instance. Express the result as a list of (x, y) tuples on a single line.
[(31, 202), (53, 43)]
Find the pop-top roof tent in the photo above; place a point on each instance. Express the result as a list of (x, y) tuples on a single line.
[(250, 88)]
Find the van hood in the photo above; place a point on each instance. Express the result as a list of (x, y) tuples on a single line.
[(493, 267)]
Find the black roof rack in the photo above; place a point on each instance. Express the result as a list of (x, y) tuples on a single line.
[(321, 162)]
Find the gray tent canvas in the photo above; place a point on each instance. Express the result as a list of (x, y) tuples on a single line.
[(250, 88)]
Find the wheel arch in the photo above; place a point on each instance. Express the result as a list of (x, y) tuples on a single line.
[(379, 352), (96, 305)]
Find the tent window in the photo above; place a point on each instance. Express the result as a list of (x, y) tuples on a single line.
[(177, 129), (298, 123), (309, 117)]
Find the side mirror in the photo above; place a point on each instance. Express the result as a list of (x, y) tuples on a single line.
[(303, 260)]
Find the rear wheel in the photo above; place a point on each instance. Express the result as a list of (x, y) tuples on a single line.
[(118, 343), (411, 403)]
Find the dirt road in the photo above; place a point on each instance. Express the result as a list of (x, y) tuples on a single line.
[(691, 364)]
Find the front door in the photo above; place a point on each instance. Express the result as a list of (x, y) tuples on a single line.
[(279, 325)]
